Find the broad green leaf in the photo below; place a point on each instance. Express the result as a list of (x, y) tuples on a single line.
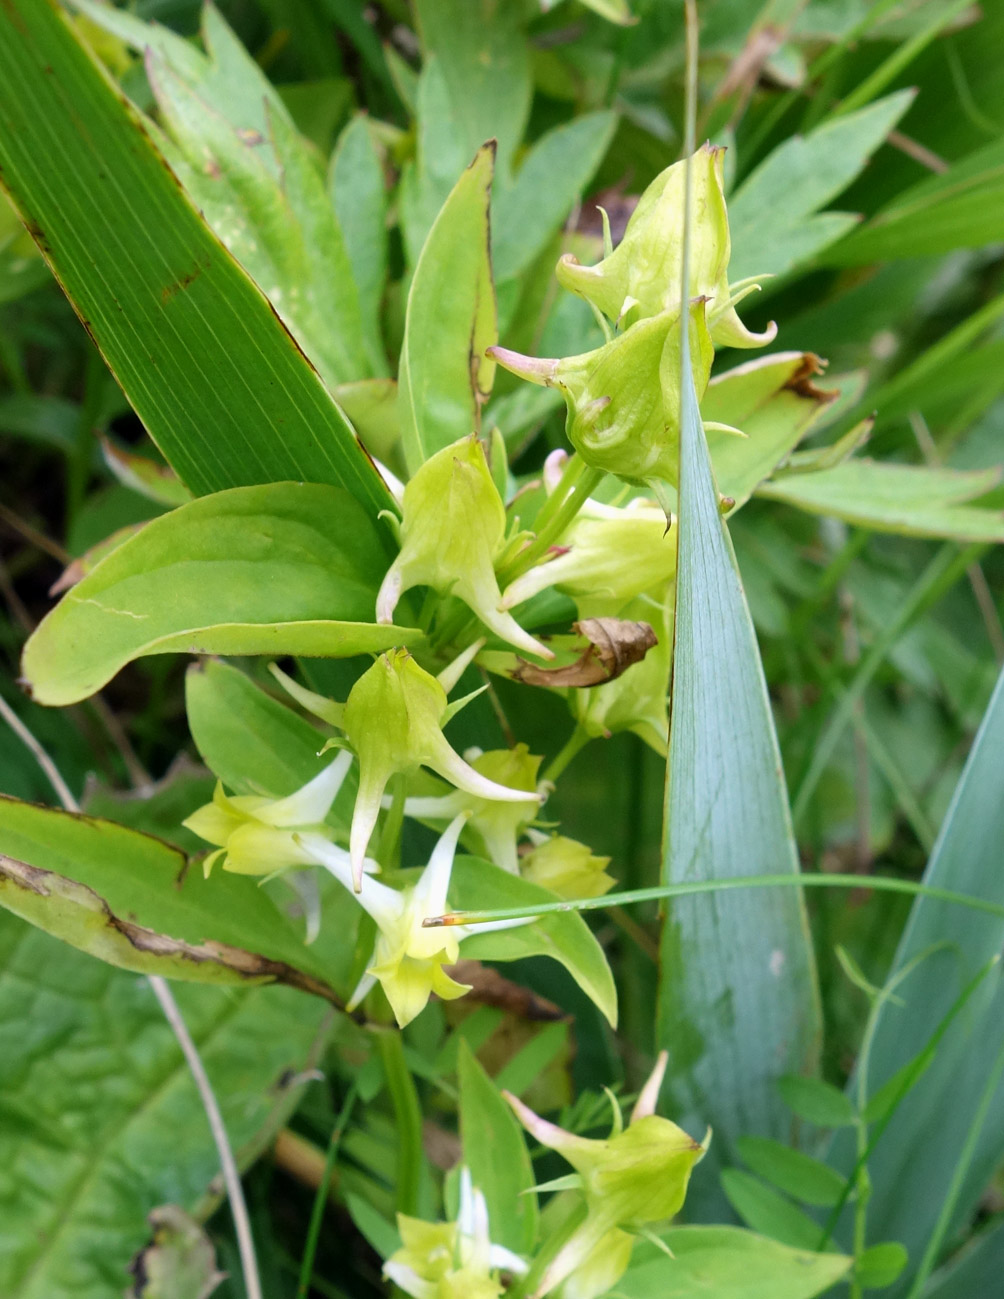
[(771, 215), (774, 401), (764, 1210), (816, 1101), (800, 1176), (99, 1118), (179, 1262), (728, 1263), (372, 406), (496, 1154), (530, 210), (359, 197), (134, 902), (290, 568), (963, 208), (911, 499), (445, 376), (738, 1006), (211, 371), (911, 1167), (564, 936)]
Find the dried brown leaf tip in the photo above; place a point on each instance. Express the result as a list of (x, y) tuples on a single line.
[(615, 644), (801, 381)]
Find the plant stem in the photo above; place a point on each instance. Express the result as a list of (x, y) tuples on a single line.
[(688, 888), (577, 741), (321, 1198), (555, 518), (408, 1113)]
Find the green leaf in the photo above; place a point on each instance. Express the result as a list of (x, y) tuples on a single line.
[(911, 499), (291, 568), (359, 197), (771, 217), (564, 936), (728, 1263), (372, 406), (800, 1176), (100, 1119), (912, 1167), (210, 370), (816, 1101), (962, 208), (496, 1154), (528, 212), (764, 1210), (451, 319), (774, 401), (738, 1005), (881, 1265), (133, 901)]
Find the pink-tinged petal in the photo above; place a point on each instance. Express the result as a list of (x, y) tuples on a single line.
[(648, 1097)]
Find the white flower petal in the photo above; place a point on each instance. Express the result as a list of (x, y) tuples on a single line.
[(311, 804)]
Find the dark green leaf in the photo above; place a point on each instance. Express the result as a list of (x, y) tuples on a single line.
[(800, 1176), (764, 1210)]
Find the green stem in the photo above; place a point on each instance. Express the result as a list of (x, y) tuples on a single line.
[(408, 1113), (577, 741), (551, 523), (689, 888), (321, 1198)]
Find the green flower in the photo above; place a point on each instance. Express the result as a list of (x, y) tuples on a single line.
[(408, 959), (567, 868), (642, 276), (394, 720), (623, 398), (493, 828), (452, 532), (255, 835), (452, 1260), (635, 1177)]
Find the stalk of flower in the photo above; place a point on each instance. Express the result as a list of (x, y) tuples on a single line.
[(394, 720), (408, 959), (641, 277), (635, 1177), (493, 829), (256, 835), (452, 532), (452, 1260)]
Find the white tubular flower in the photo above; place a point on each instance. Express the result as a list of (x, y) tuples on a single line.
[(255, 835), (452, 1260), (408, 959)]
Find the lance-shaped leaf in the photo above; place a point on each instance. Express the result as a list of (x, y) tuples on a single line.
[(291, 568), (738, 1005), (96, 1142), (132, 901), (211, 371), (912, 1167), (445, 376), (774, 401), (917, 500)]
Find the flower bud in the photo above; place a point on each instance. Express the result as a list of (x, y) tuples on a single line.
[(635, 1177), (567, 868), (394, 721), (452, 530), (623, 412), (642, 276)]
